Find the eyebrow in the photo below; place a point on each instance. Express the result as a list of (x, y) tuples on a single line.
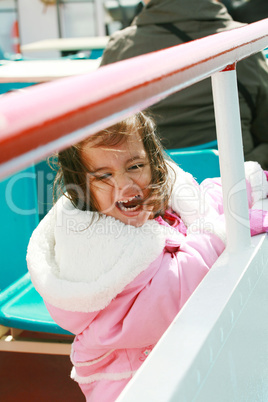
[(137, 157)]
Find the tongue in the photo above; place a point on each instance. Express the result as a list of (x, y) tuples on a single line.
[(130, 204)]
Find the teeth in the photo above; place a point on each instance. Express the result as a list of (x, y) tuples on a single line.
[(129, 209), (129, 199)]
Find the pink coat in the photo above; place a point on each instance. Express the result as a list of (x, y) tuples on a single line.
[(117, 321), (111, 344)]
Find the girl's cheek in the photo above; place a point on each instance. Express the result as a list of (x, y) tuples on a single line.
[(100, 186)]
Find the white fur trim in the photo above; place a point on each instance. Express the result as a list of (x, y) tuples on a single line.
[(210, 226), (257, 179), (80, 261), (91, 362), (188, 198), (101, 376)]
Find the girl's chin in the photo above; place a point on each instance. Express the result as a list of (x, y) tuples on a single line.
[(133, 218), (137, 222)]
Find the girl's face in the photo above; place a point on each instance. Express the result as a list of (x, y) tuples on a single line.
[(119, 179)]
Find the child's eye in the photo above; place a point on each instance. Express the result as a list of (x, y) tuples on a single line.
[(137, 166), (103, 176)]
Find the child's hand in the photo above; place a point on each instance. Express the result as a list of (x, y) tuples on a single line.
[(258, 221), (257, 180)]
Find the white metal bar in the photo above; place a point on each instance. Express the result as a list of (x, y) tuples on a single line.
[(100, 22), (63, 44), (229, 135)]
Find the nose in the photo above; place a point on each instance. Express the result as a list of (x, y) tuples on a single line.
[(123, 180)]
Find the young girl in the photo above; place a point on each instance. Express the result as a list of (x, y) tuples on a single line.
[(123, 249)]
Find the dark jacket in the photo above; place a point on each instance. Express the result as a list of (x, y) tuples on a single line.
[(251, 11), (187, 117)]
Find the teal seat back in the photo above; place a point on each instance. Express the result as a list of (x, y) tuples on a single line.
[(44, 180), (20, 304), (13, 86), (201, 164), (19, 217), (2, 56), (199, 147)]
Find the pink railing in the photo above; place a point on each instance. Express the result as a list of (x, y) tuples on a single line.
[(54, 115)]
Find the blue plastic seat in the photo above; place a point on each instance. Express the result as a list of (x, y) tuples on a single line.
[(21, 306), (19, 217), (13, 86), (44, 180), (201, 164)]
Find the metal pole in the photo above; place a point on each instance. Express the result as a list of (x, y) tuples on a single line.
[(59, 18), (100, 24), (228, 125)]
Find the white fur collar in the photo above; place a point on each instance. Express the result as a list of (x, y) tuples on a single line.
[(188, 199), (80, 261)]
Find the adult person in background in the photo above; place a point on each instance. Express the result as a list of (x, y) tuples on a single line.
[(187, 117), (250, 11), (228, 4)]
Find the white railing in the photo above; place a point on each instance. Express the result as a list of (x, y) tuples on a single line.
[(55, 115)]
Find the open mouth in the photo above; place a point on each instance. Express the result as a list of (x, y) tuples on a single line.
[(130, 204)]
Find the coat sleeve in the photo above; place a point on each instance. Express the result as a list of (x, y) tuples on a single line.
[(144, 310), (256, 185), (72, 321)]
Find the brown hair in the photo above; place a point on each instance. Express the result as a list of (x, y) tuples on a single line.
[(72, 173)]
